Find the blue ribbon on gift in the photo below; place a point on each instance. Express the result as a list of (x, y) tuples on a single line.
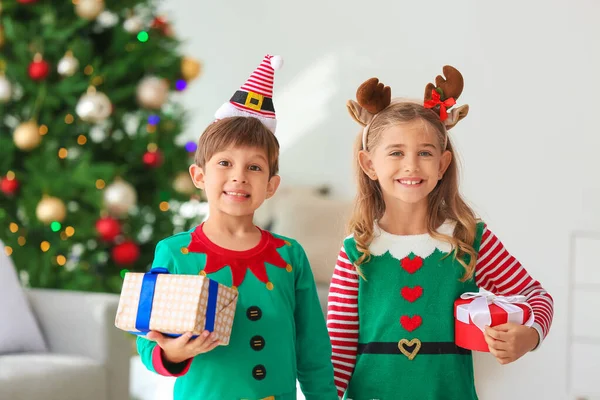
[(142, 322)]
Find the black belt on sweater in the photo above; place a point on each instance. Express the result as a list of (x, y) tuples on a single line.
[(426, 348)]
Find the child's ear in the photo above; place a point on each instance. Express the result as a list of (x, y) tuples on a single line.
[(444, 163), (273, 185), (197, 175), (366, 164)]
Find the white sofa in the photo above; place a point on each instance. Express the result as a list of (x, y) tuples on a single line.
[(88, 357)]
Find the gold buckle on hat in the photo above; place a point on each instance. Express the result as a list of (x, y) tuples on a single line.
[(256, 105)]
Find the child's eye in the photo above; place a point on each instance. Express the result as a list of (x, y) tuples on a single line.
[(396, 153), (255, 168), (224, 163), (425, 153)]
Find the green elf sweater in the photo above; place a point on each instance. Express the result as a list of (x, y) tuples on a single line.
[(392, 332), (279, 333), (406, 344)]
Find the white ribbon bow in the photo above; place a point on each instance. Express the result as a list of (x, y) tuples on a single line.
[(478, 310)]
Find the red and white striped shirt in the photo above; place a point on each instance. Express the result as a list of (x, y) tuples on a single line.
[(496, 271)]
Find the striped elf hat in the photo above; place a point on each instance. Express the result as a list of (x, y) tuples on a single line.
[(255, 97)]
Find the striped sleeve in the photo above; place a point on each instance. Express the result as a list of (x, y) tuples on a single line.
[(499, 272), (342, 320)]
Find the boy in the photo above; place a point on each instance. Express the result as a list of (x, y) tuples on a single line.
[(279, 333)]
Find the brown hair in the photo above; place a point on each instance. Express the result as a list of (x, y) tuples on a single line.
[(445, 201), (238, 131)]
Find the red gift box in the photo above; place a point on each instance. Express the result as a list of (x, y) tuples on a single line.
[(473, 311)]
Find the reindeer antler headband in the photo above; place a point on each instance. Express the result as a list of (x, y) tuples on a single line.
[(373, 97)]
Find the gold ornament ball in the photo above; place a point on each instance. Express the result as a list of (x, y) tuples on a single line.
[(133, 24), (27, 136), (68, 65), (152, 92), (93, 106), (190, 68), (183, 183), (5, 89), (89, 9), (51, 209), (119, 197)]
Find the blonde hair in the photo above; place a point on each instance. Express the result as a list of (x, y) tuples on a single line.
[(238, 131), (445, 201)]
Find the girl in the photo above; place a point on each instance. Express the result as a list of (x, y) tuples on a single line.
[(415, 247)]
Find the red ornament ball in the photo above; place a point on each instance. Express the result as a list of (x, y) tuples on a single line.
[(108, 228), (125, 253), (9, 186), (39, 70), (161, 25), (153, 159)]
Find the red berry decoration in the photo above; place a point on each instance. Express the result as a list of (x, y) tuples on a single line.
[(153, 159), (39, 69), (125, 253), (108, 228), (9, 186)]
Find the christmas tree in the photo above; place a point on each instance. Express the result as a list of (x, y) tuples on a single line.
[(91, 174)]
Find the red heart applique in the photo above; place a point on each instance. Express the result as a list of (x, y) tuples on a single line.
[(411, 266), (411, 323), (412, 294)]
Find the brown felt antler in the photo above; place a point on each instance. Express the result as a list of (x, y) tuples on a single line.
[(372, 96), (451, 87)]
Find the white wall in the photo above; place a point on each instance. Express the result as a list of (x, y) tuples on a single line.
[(529, 146)]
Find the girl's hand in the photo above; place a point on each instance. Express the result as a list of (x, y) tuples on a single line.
[(509, 342), (177, 350)]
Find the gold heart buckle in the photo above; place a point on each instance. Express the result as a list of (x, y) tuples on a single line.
[(405, 342)]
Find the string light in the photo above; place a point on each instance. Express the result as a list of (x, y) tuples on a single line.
[(164, 206), (88, 70), (69, 119), (81, 140), (10, 175), (180, 85), (45, 246), (100, 184), (70, 231), (55, 226), (43, 130), (14, 228), (191, 147), (152, 147), (8, 250), (143, 36), (61, 260), (22, 240), (62, 153), (151, 128), (63, 236), (97, 81), (153, 119)]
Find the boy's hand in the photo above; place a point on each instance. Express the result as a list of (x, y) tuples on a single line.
[(176, 350), (509, 342)]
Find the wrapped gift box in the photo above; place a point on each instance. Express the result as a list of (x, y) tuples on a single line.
[(175, 304), (474, 311)]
